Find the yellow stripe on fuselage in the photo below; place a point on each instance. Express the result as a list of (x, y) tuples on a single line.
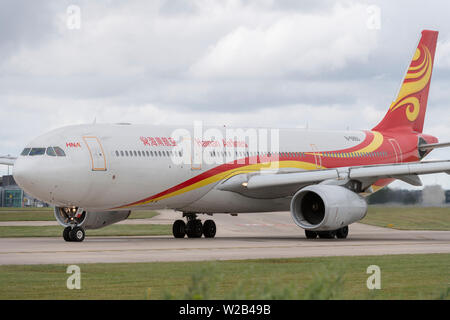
[(375, 144), (230, 173)]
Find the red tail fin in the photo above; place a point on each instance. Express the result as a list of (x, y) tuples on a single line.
[(408, 109)]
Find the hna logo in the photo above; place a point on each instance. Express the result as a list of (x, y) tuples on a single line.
[(73, 145)]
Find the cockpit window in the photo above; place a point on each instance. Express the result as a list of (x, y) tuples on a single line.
[(51, 152), (59, 152), (25, 152), (37, 151)]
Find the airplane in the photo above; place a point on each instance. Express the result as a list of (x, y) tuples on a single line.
[(95, 174)]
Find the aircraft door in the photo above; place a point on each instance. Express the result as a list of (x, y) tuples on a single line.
[(396, 149), (317, 157), (96, 153)]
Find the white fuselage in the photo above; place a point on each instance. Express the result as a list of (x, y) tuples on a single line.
[(125, 166)]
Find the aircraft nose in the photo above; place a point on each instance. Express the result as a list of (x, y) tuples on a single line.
[(31, 176), (23, 175), (51, 180)]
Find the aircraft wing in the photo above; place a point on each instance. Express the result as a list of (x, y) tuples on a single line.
[(361, 172), (284, 184), (8, 160)]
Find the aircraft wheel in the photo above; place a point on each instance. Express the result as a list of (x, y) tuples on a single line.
[(66, 233), (179, 229), (209, 229), (342, 233), (194, 228), (77, 234), (310, 234), (327, 234)]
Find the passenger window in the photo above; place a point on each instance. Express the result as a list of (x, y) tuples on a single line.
[(37, 151), (139, 153), (117, 153), (50, 152), (121, 153), (25, 152)]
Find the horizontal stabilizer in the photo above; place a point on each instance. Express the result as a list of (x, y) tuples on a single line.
[(434, 146)]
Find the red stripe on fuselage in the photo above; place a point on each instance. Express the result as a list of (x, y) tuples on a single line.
[(307, 157)]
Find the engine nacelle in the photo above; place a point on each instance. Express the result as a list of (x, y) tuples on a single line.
[(88, 219), (326, 207)]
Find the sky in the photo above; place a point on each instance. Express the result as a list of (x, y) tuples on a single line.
[(287, 63)]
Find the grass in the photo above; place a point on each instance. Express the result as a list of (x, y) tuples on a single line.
[(46, 214), (409, 218), (402, 277), (142, 214), (113, 230), (26, 214)]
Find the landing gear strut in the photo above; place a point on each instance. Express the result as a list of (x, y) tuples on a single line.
[(340, 233), (194, 228), (73, 234)]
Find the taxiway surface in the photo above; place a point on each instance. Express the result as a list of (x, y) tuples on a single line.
[(247, 236)]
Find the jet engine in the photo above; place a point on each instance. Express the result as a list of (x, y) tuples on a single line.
[(326, 207), (67, 216)]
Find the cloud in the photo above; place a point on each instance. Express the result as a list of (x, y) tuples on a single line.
[(283, 44), (281, 63), (443, 54)]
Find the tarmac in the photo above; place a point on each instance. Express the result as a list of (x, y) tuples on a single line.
[(246, 236)]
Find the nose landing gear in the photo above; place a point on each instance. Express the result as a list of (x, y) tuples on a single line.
[(75, 234), (194, 228)]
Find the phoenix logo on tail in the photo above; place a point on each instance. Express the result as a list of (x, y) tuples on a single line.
[(408, 109)]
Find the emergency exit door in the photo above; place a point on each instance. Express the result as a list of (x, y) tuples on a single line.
[(396, 150), (96, 152), (317, 157)]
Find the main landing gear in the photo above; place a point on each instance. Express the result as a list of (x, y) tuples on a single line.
[(73, 234), (340, 233), (194, 228)]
